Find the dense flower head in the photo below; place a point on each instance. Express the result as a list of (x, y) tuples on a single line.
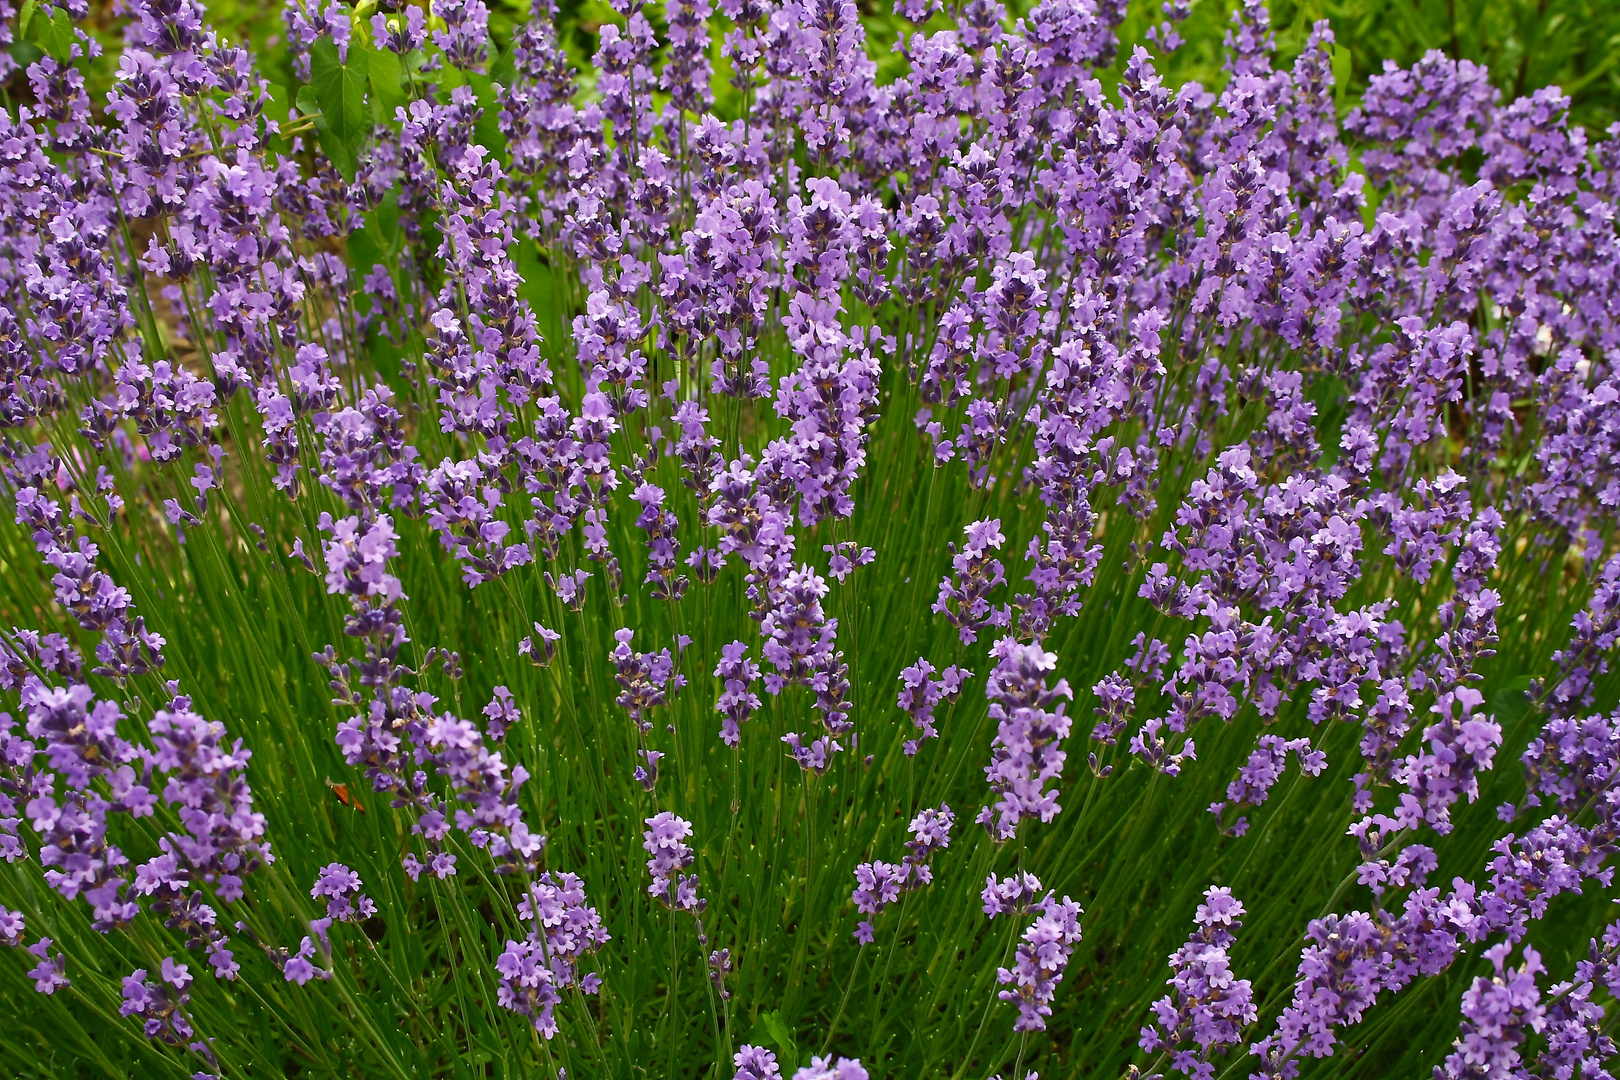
[(1026, 754), (755, 1063), (1208, 1007), (1498, 1014), (1042, 955), (340, 888), (738, 675), (921, 693), (665, 841), (824, 1068)]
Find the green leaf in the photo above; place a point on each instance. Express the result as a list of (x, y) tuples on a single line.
[(364, 251), (340, 88), (1509, 704), (779, 1035), (27, 13), (280, 107), (502, 69), (56, 36), (1342, 71), (387, 83), (448, 78), (306, 103), (380, 239)]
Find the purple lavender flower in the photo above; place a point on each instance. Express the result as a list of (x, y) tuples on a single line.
[(801, 645), (542, 655), (51, 972), (880, 884), (963, 599), (340, 888), (12, 927), (755, 1063), (160, 1002), (922, 693), (647, 680), (1015, 895), (665, 841), (299, 967), (1208, 1008), (823, 1068), (719, 967), (738, 675), (1263, 769), (1576, 1043), (1039, 962), (1498, 1014), (1025, 755)]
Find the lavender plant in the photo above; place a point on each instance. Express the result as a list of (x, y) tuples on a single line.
[(495, 545)]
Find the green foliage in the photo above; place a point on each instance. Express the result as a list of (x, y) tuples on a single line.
[(1526, 44)]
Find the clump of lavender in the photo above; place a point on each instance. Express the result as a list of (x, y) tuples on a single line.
[(755, 1063), (1261, 772), (647, 681), (1014, 895), (824, 1068), (1208, 1007), (1273, 424), (161, 1003), (340, 888), (738, 675), (1499, 1013), (964, 598), (665, 842)]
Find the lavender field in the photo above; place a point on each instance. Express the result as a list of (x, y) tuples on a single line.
[(1081, 545)]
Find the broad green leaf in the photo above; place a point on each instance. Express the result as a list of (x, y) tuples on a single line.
[(449, 78), (364, 251), (340, 88), (488, 128), (779, 1035), (56, 36), (1342, 71), (23, 18), (379, 240), (502, 69), (387, 83)]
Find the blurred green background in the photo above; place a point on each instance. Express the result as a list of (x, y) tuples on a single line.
[(1526, 44)]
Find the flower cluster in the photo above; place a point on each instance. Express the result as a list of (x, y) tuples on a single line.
[(665, 841), (1039, 962), (879, 884), (535, 970), (1208, 1007), (922, 693), (1025, 756)]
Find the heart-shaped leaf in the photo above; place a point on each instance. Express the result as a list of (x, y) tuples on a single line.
[(340, 89)]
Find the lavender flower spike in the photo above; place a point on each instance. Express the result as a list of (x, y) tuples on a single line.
[(1025, 755)]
